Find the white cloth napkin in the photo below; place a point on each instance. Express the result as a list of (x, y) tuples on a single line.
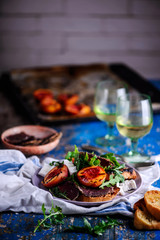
[(17, 192)]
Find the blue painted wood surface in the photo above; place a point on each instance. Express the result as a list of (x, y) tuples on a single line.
[(21, 225)]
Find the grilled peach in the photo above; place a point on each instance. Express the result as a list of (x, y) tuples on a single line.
[(52, 107), (68, 99), (84, 109), (91, 176), (78, 109), (41, 93), (47, 101), (55, 176), (72, 109)]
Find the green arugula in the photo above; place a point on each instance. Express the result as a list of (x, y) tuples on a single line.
[(58, 164), (55, 192), (55, 217), (96, 230), (112, 158), (116, 177), (81, 161)]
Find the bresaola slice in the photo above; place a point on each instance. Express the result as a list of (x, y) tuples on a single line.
[(95, 192), (103, 161), (69, 190)]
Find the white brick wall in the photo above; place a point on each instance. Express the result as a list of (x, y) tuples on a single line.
[(48, 32)]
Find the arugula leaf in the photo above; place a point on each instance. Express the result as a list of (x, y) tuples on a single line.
[(112, 158), (74, 156), (55, 217), (58, 164), (116, 177), (55, 192), (80, 160), (96, 230), (94, 161), (112, 181)]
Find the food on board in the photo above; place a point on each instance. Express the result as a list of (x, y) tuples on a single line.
[(49, 105), (41, 93), (63, 104), (78, 109), (68, 99)]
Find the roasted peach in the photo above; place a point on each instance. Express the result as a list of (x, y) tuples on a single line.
[(68, 99), (84, 109), (55, 176), (78, 109), (72, 109), (52, 108), (41, 93), (91, 176), (47, 101)]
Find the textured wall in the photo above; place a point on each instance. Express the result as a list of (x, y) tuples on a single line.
[(48, 32)]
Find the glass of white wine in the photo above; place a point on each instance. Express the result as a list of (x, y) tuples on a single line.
[(134, 120), (105, 100)]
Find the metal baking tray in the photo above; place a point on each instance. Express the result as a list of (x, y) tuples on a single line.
[(19, 85)]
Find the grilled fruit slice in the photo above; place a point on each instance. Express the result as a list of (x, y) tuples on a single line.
[(55, 176), (41, 93), (91, 176), (68, 99), (50, 106), (78, 109)]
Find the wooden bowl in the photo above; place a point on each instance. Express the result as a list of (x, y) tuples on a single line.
[(37, 132)]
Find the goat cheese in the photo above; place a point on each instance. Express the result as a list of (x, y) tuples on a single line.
[(126, 186)]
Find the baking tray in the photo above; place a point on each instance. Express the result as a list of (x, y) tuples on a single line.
[(19, 85)]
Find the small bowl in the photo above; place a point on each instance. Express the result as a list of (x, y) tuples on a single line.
[(36, 131)]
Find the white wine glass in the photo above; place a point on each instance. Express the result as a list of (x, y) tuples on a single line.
[(134, 120), (105, 100)]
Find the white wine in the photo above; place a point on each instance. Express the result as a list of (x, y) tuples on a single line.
[(133, 132), (104, 116)]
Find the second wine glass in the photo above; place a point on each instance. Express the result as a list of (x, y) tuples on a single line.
[(105, 100), (134, 120)]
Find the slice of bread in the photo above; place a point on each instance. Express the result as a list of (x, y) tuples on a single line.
[(142, 218), (152, 201)]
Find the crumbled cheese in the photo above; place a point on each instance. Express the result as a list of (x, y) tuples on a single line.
[(45, 169), (126, 186), (72, 169)]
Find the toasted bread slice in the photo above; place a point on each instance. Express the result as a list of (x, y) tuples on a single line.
[(129, 173), (142, 218), (152, 201)]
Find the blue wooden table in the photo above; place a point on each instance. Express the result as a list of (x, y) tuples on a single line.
[(21, 225)]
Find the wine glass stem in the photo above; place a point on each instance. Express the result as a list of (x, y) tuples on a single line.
[(134, 143), (110, 135)]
